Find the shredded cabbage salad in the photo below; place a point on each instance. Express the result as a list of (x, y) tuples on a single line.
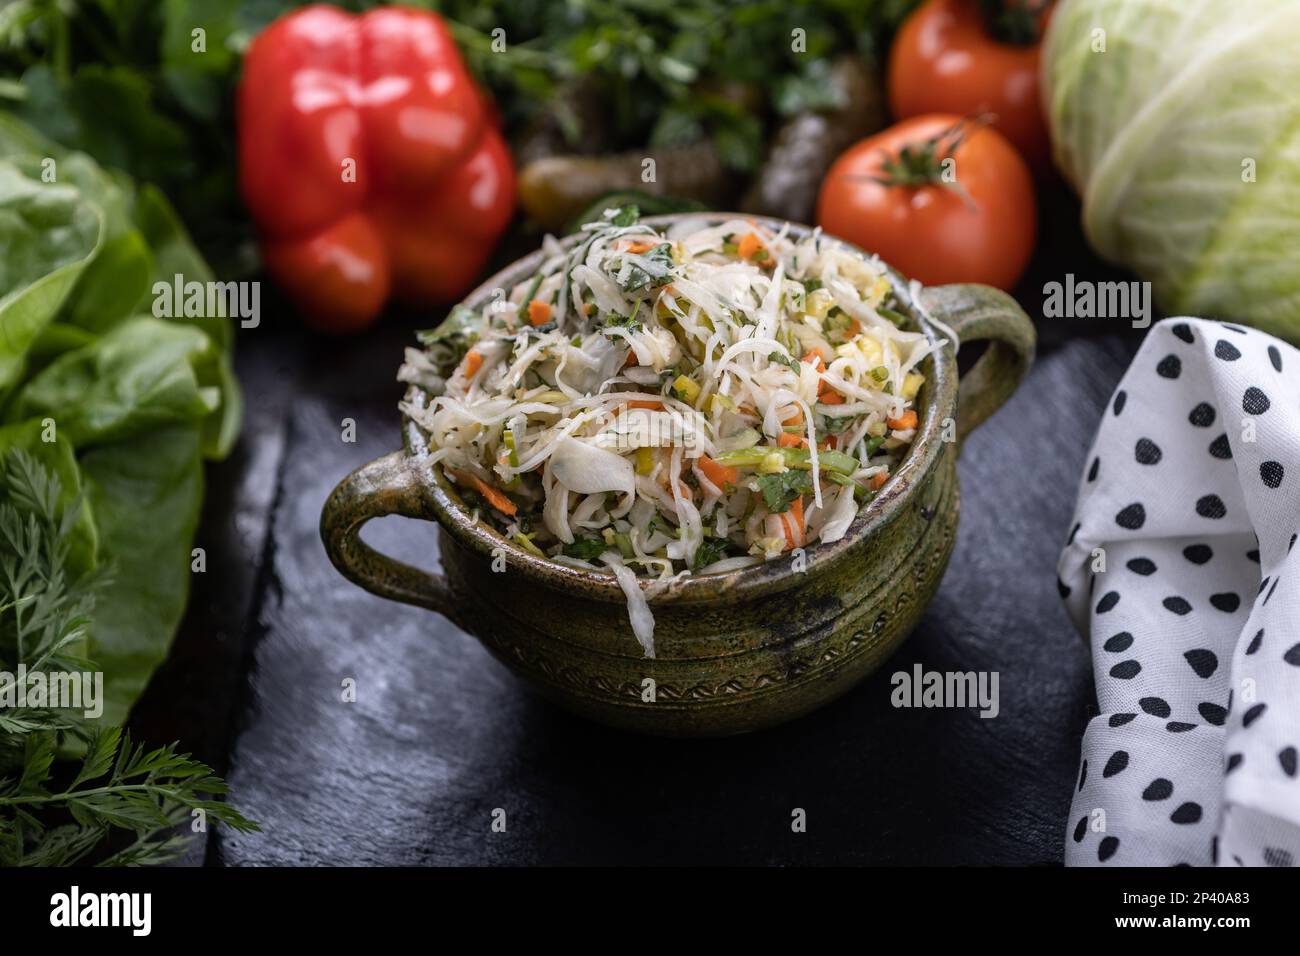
[(659, 404)]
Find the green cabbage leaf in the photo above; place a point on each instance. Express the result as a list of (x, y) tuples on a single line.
[(1179, 124)]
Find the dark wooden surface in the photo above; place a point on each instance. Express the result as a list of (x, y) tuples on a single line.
[(440, 735)]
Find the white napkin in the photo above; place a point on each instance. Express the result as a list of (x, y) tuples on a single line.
[(1191, 497)]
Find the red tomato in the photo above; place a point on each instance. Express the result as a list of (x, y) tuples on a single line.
[(944, 60), (940, 198)]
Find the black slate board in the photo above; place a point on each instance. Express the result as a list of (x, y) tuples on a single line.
[(441, 735)]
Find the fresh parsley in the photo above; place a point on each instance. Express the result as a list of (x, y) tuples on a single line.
[(785, 360), (625, 215), (586, 549), (780, 490), (638, 278), (710, 550)]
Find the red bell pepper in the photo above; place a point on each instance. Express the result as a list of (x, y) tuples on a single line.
[(370, 162)]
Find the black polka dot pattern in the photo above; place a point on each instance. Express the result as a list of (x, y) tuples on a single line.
[(1212, 713), (1158, 789), (1226, 602), (1286, 758), (1204, 662), (1211, 506), (1226, 351), (1117, 763), (1255, 402), (1275, 856), (1196, 510), (1126, 670), (1119, 642), (1132, 517), (1202, 416), (1147, 452), (1155, 706)]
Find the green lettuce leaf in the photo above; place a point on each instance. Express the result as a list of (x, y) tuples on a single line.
[(49, 232), (144, 374), (122, 406), (146, 495)]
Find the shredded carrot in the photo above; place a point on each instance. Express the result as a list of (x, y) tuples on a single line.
[(830, 397), (749, 245), (643, 403), (631, 359), (639, 247), (791, 440), (539, 312), (494, 497), (719, 475), (796, 418), (877, 480), (814, 358), (902, 422), (683, 489), (792, 523), (588, 308), (473, 362)]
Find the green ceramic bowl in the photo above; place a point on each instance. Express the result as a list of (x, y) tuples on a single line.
[(736, 651)]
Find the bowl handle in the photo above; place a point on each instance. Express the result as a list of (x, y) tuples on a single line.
[(982, 312), (385, 486)]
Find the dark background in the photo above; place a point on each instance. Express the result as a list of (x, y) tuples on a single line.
[(441, 735)]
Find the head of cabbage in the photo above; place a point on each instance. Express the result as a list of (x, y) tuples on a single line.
[(1179, 123)]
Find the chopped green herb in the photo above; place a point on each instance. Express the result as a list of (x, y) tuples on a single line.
[(587, 549), (711, 549), (785, 360), (626, 215), (638, 278), (781, 489)]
